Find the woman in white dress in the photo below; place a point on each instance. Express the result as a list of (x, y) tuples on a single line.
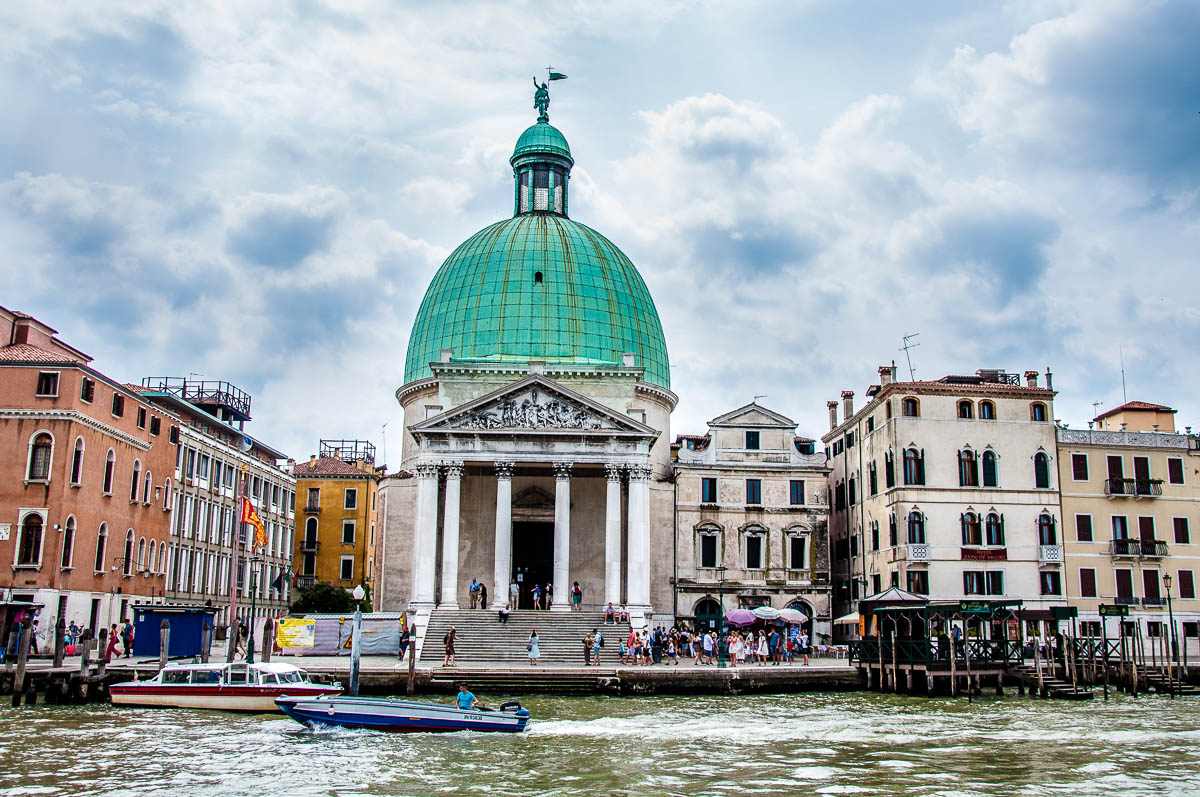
[(762, 648), (534, 653), (735, 648)]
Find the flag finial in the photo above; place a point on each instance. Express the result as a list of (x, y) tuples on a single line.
[(541, 94)]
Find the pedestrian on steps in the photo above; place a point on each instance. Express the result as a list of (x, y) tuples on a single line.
[(482, 595), (473, 592), (587, 649), (532, 647), (448, 640)]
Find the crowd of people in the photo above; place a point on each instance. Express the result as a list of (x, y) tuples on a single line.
[(768, 646)]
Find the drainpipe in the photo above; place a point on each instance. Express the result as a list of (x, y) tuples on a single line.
[(675, 547)]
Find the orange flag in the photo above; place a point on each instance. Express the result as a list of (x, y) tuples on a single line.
[(250, 516)]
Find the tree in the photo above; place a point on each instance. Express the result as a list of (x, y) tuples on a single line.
[(325, 598)]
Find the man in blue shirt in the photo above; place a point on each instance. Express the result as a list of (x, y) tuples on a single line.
[(474, 593), (466, 700)]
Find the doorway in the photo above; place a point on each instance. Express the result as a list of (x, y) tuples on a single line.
[(533, 558)]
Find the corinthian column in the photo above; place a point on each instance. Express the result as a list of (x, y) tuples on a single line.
[(639, 535), (562, 537), (450, 523), (612, 535), (425, 533), (503, 569)]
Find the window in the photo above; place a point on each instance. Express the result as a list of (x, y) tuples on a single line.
[(918, 582), (914, 466), (708, 549), (995, 582), (1047, 534), (1083, 528), (752, 441), (118, 405), (47, 384), (754, 551), (966, 410), (876, 584), (1175, 470), (41, 449), (167, 493), (68, 544), (150, 559), (910, 408), (1087, 582), (173, 437), (87, 390), (155, 425), (889, 470), (314, 497), (989, 469), (77, 462), (1120, 527), (994, 529), (972, 532), (798, 551), (1079, 467), (852, 490), (127, 567), (708, 490), (1187, 585), (147, 486), (141, 554), (1182, 533), (1050, 582), (101, 544), (1124, 583), (870, 424), (916, 528), (973, 582), (351, 501), (1037, 411), (347, 532), (141, 417), (29, 548), (1041, 470), (796, 492), (347, 568), (849, 439), (753, 491), (839, 501), (874, 535), (310, 532), (968, 469), (987, 411), (1150, 585), (872, 479), (1146, 528), (893, 532), (134, 480)]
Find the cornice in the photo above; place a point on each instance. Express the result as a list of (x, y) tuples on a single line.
[(74, 416)]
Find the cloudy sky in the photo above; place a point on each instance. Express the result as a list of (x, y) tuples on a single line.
[(261, 191)]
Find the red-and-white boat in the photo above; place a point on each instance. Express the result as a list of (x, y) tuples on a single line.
[(227, 687)]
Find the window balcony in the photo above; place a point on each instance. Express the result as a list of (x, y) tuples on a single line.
[(304, 582), (312, 509), (1154, 548), (918, 552), (1133, 488), (1125, 601), (1154, 601), (1144, 549), (309, 546), (1050, 554)]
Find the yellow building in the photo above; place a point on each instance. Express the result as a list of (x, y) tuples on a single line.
[(336, 496), (1130, 489)]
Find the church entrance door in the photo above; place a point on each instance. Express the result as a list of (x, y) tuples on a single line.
[(533, 558)]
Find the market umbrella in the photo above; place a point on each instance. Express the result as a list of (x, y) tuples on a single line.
[(739, 617), (847, 619), (766, 613), (793, 616)]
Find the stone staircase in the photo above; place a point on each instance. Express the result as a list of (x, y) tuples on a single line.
[(483, 639), (1052, 687)]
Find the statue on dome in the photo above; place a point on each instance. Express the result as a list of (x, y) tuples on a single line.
[(541, 100)]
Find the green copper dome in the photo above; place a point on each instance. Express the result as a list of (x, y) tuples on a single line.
[(541, 138)]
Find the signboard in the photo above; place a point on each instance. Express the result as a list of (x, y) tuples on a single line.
[(984, 554), (975, 607), (1113, 611), (1064, 612), (5, 531), (295, 633), (1014, 630)]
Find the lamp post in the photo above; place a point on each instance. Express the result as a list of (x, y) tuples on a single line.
[(1174, 642), (722, 647), (254, 560), (355, 645)]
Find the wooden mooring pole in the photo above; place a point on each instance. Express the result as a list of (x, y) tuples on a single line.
[(206, 637), (164, 643), (23, 642), (412, 662), (60, 642)]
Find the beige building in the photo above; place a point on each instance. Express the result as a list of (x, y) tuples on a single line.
[(946, 488), (751, 521), (1131, 509)]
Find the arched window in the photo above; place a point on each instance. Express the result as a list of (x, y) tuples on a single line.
[(110, 465), (966, 410), (910, 408), (29, 547), (914, 466), (77, 462), (968, 469), (1041, 470), (994, 529), (147, 487), (987, 410), (141, 554), (889, 469), (989, 469), (1047, 535), (310, 530), (893, 532), (162, 558), (916, 528), (150, 561), (135, 481), (68, 546), (167, 493), (1037, 411), (972, 533), (41, 448), (127, 567), (101, 545)]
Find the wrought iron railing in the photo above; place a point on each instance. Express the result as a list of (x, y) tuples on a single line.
[(1136, 488), (1144, 548)]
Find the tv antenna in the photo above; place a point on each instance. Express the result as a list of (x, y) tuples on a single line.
[(760, 395), (1096, 405), (912, 373), (1124, 395)]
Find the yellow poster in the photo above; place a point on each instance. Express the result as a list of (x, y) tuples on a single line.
[(295, 633)]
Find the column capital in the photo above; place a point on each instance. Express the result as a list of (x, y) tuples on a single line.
[(639, 472), (504, 470), (612, 472), (454, 470), (426, 470), (562, 471)]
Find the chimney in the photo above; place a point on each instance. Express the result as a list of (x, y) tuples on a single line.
[(847, 404), (1049, 380), (886, 374), (1031, 378), (312, 460), (832, 405)]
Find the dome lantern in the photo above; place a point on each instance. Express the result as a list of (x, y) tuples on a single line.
[(541, 164)]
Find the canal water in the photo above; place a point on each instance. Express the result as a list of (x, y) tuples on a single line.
[(786, 744)]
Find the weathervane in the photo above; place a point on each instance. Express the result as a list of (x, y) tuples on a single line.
[(541, 94)]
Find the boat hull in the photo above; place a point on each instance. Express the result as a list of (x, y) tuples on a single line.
[(398, 716), (256, 699)]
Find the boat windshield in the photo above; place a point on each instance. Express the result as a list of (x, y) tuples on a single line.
[(175, 676), (293, 677), (206, 676)]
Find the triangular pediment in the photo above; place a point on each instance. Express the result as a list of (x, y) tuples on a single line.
[(753, 415), (534, 404)]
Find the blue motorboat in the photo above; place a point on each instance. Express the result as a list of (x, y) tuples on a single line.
[(401, 716)]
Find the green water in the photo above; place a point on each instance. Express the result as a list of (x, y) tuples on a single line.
[(785, 744)]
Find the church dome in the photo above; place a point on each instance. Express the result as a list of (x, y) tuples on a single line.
[(539, 286)]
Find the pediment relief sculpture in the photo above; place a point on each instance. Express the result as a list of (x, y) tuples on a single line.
[(533, 409)]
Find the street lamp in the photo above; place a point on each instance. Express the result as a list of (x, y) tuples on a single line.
[(254, 560), (1171, 620), (355, 645), (722, 647)]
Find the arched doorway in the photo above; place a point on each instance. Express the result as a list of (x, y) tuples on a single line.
[(708, 614), (802, 606)]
